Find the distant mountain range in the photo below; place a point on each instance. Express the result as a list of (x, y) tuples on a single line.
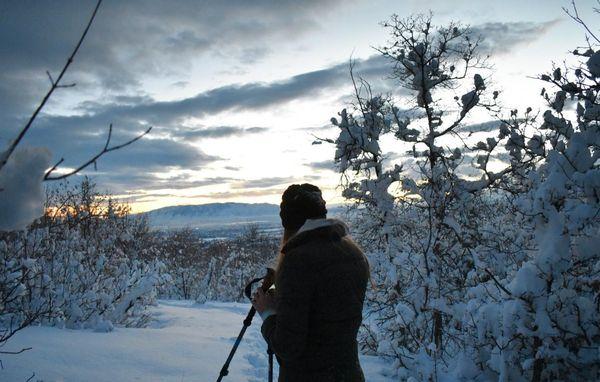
[(213, 215), (218, 215)]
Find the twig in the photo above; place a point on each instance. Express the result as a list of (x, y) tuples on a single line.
[(575, 16), (498, 284), (16, 352), (92, 160), (55, 85)]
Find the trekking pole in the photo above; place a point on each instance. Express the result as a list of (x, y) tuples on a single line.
[(267, 281), (270, 353)]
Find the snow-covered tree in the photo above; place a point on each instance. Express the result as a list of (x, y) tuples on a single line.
[(483, 246), (544, 320), (421, 260)]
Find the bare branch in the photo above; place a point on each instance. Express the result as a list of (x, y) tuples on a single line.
[(16, 352), (50, 78), (55, 85), (575, 16), (92, 160)]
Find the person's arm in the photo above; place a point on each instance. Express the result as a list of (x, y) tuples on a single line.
[(286, 331)]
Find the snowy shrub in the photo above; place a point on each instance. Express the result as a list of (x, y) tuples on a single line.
[(182, 253), (18, 306), (247, 257), (215, 270), (79, 266), (484, 268), (549, 308)]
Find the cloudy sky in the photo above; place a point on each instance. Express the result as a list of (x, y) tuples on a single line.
[(235, 90)]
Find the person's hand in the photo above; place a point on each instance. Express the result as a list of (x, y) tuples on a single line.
[(262, 301)]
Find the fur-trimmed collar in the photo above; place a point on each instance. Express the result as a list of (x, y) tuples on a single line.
[(311, 224), (317, 227)]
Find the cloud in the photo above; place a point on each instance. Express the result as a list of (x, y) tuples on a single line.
[(149, 153), (237, 194), (322, 165), (263, 182), (137, 184), (503, 37), (269, 182), (132, 167), (214, 132), (137, 112), (21, 192), (321, 128), (78, 137), (133, 40), (254, 95), (182, 182), (134, 113)]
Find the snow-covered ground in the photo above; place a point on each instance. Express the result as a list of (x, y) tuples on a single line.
[(187, 342)]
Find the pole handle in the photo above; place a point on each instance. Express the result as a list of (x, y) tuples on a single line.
[(267, 281)]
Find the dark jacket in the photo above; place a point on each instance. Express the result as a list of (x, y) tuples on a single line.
[(320, 287)]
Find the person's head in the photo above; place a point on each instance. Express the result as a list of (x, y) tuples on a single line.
[(300, 202)]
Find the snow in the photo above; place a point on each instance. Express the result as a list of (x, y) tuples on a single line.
[(21, 193), (186, 342), (593, 64)]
